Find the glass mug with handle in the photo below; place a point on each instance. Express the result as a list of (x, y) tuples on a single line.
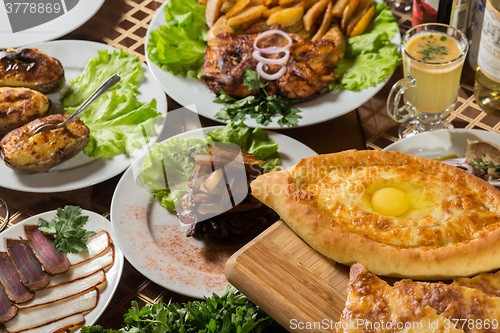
[(433, 56)]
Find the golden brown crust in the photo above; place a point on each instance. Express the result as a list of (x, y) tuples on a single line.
[(469, 308), (488, 283), (453, 230), (374, 306), (19, 106), (34, 69), (27, 153)]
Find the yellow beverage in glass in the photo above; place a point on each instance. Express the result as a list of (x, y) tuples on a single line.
[(431, 60)]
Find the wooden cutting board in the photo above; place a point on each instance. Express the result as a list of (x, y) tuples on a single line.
[(300, 288)]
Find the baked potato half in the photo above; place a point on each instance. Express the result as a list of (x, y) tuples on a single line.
[(31, 68), (19, 106), (28, 154)]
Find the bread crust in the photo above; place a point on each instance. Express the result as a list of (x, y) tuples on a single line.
[(369, 242), (374, 306)]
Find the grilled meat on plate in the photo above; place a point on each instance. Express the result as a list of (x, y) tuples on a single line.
[(219, 207), (309, 70)]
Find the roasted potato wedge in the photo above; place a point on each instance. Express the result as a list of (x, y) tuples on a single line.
[(362, 8), (348, 13), (268, 12), (19, 106), (325, 24), (286, 17), (31, 68), (339, 7), (27, 153), (363, 23), (237, 8), (313, 13), (227, 5), (248, 15), (212, 11), (285, 3)]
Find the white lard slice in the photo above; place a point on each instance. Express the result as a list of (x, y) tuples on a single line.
[(29, 318), (60, 325), (86, 268), (56, 293)]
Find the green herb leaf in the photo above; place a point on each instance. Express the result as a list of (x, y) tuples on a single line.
[(231, 312), (252, 80), (67, 229), (261, 106)]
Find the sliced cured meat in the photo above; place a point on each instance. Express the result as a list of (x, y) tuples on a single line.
[(53, 260), (7, 310), (9, 278), (27, 266)]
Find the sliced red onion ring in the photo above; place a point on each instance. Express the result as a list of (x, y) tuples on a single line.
[(495, 183), (272, 49), (279, 61), (460, 162), (266, 76)]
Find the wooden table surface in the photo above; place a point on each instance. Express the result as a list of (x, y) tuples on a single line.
[(123, 24)]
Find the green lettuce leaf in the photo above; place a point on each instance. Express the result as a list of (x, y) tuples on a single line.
[(179, 46), (118, 123), (173, 155), (371, 57), (252, 140)]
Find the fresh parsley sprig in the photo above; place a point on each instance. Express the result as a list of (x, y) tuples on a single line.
[(230, 312), (67, 229), (261, 106)]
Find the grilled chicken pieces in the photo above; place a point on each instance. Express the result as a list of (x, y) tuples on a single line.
[(309, 70)]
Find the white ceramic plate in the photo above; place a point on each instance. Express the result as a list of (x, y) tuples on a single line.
[(440, 143), (81, 171), (95, 223), (56, 28), (155, 244), (187, 91)]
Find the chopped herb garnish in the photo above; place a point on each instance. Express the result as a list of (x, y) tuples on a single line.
[(484, 165), (261, 106), (432, 51), (443, 38)]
